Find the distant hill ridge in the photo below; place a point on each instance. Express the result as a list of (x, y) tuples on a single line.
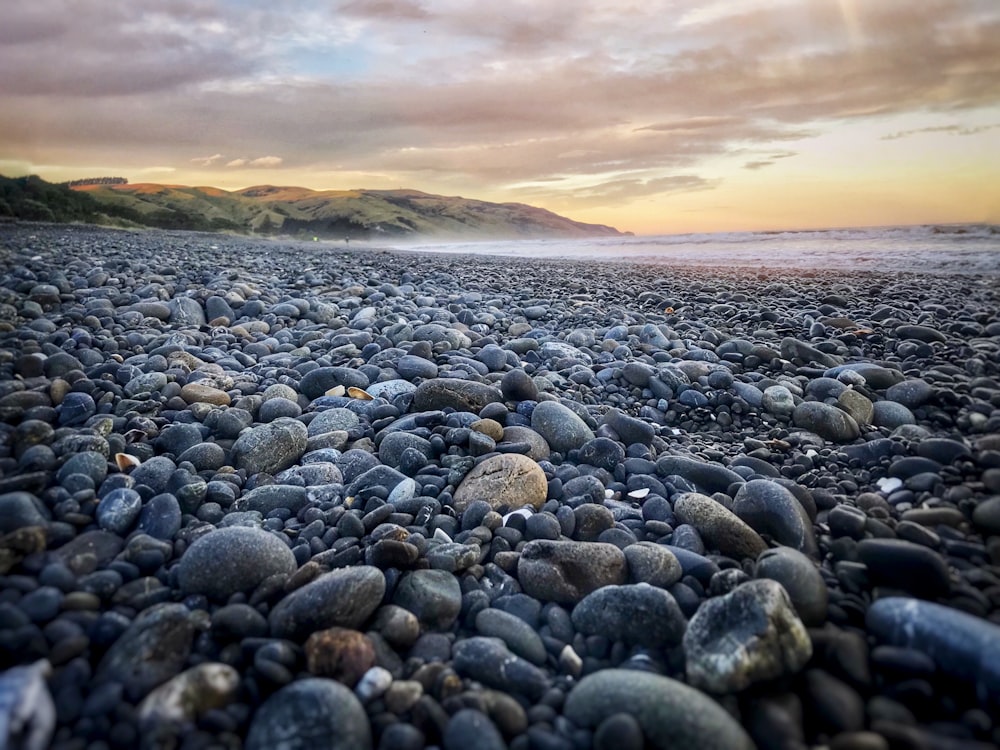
[(283, 210)]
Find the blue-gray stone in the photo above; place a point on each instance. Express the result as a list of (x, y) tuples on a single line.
[(561, 427), (708, 477), (344, 597), (768, 508), (636, 614), (231, 560), (308, 714), (118, 510), (673, 716), (490, 662), (961, 645)]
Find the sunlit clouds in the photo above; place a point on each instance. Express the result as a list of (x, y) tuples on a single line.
[(660, 116)]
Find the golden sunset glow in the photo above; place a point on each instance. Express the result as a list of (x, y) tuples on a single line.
[(659, 117)]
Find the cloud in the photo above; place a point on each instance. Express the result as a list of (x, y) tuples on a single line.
[(207, 161), (265, 161), (449, 93), (951, 129)]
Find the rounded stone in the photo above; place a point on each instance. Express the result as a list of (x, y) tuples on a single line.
[(308, 714), (637, 614), (461, 395), (768, 508), (566, 571), (203, 393), (673, 716), (800, 578), (344, 597), (749, 635), (508, 480), (720, 528), (561, 427), (434, 596), (233, 559), (827, 421), (271, 447)]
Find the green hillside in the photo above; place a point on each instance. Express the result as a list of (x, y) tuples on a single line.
[(392, 214)]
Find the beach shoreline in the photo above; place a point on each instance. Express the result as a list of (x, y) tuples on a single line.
[(468, 498)]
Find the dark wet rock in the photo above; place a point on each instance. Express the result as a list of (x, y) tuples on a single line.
[(905, 565), (875, 375), (749, 635), (630, 429), (920, 333), (770, 509), (310, 713), (118, 510), (271, 447), (489, 661), (636, 614), (345, 598), (153, 649), (911, 393), (719, 527), (461, 395), (708, 477), (560, 426), (471, 728), (519, 636), (673, 716), (800, 578), (986, 515), (565, 571), (652, 563), (434, 596), (517, 385), (506, 481), (316, 383), (826, 421), (20, 509), (961, 645), (270, 497), (233, 559)]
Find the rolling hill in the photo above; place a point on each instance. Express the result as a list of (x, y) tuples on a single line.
[(390, 214)]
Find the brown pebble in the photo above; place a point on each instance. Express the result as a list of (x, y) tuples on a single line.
[(341, 654)]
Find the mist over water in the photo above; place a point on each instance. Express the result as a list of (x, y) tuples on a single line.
[(950, 249)]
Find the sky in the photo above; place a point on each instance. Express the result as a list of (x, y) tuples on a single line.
[(656, 116)]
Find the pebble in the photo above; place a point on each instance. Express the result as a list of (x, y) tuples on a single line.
[(434, 596), (566, 571), (719, 527), (270, 447), (826, 421), (961, 645), (907, 566), (231, 560), (672, 715), (508, 481), (768, 508), (308, 711), (560, 426), (748, 635), (341, 598), (636, 614)]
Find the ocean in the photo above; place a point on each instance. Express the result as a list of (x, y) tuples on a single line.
[(972, 249)]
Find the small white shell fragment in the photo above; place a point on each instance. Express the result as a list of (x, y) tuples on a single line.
[(126, 461), (519, 512), (359, 393), (639, 494), (570, 661), (337, 390), (889, 484), (442, 535)]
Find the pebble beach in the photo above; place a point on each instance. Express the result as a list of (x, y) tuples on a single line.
[(275, 495)]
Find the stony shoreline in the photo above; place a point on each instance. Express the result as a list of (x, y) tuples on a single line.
[(254, 494)]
